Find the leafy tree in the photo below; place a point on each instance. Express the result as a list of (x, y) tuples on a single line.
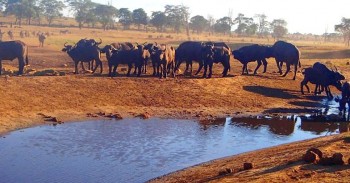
[(82, 10), (51, 9), (178, 16), (139, 16), (125, 17), (263, 25), (105, 14), (223, 25), (211, 23), (22, 9), (344, 29), (279, 28), (246, 26), (159, 20), (198, 23)]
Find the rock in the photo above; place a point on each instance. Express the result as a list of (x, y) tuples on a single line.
[(316, 151), (326, 161), (225, 172), (48, 72), (311, 157), (145, 115), (115, 116), (338, 159), (248, 166), (64, 65), (91, 115)]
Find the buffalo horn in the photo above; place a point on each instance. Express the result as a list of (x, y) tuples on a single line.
[(65, 44), (99, 42)]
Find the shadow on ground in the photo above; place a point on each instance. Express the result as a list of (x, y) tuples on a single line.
[(271, 92)]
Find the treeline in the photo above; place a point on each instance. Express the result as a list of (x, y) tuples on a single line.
[(174, 17)]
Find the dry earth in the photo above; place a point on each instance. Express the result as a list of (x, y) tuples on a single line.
[(25, 100)]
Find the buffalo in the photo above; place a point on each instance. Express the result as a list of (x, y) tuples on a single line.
[(80, 53), (253, 53), (42, 38), (345, 99), (222, 55), (10, 50), (321, 76), (165, 58), (193, 51), (288, 53), (116, 57), (143, 55)]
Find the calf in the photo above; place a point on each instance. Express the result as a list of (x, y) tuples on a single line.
[(165, 59)]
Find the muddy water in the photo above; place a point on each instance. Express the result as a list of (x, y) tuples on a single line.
[(135, 150)]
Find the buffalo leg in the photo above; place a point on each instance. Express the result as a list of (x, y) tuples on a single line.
[(129, 69), (243, 68), (115, 70), (279, 67), (82, 66), (173, 68), (200, 68), (257, 67), (226, 68), (109, 70), (210, 69), (139, 68), (0, 67), (265, 64), (76, 67), (295, 70), (302, 84), (205, 70), (288, 69), (154, 68)]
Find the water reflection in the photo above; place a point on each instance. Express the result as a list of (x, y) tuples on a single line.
[(279, 126)]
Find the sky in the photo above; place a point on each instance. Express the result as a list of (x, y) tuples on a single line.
[(304, 16)]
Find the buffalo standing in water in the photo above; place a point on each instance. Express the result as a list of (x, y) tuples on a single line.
[(10, 50), (288, 53)]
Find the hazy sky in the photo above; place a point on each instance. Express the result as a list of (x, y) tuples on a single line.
[(304, 16)]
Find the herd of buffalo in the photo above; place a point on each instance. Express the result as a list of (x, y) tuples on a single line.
[(166, 59)]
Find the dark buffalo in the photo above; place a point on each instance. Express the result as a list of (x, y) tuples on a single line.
[(253, 53), (42, 38), (123, 46), (221, 55), (320, 75), (193, 51), (87, 43), (165, 58), (345, 99), (84, 54), (288, 53), (143, 56), (10, 50), (116, 57)]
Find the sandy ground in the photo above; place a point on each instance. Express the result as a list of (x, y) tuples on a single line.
[(25, 100)]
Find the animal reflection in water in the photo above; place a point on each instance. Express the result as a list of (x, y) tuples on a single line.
[(320, 127), (279, 126)]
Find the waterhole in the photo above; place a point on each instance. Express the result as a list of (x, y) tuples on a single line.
[(136, 150)]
